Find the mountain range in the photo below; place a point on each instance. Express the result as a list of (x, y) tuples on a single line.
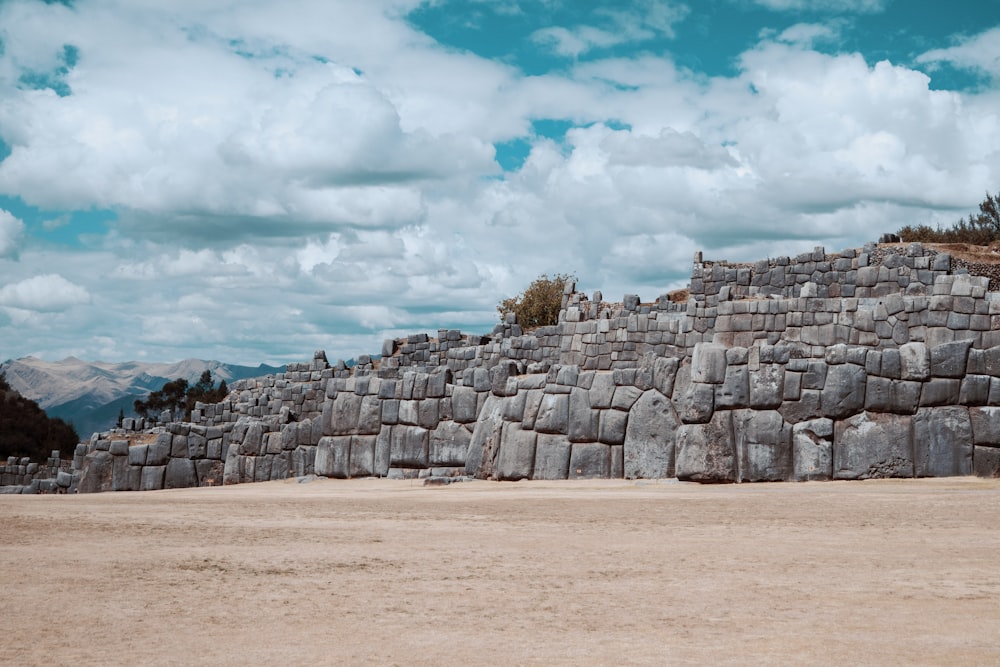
[(90, 394)]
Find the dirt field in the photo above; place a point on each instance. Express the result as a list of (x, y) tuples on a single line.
[(394, 573)]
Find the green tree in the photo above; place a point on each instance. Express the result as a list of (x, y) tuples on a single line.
[(177, 394), (539, 304), (980, 229), (25, 429)]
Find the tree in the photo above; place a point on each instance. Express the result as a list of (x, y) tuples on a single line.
[(25, 429), (980, 229), (539, 304), (177, 394)]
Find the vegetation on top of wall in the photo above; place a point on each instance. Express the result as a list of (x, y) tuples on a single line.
[(979, 229), (25, 429), (178, 395), (539, 304)]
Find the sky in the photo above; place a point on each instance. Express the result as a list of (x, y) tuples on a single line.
[(252, 180)]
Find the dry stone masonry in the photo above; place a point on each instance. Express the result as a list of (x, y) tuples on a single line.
[(882, 361)]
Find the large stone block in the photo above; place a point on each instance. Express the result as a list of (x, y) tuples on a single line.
[(449, 445), (708, 363), (463, 405), (985, 425), (897, 396), (915, 362), (210, 472), (552, 454), (333, 454), (942, 442), (362, 456), (252, 440), (807, 407), (649, 437), (734, 392), (584, 422), (986, 461), (98, 469), (697, 403), (383, 451), (763, 446), (553, 414), (346, 412), (602, 390), (812, 450), (612, 427), (370, 415), (948, 360), (158, 452), (590, 460), (706, 452), (485, 443), (844, 392), (767, 386), (940, 391), (625, 397), (409, 447), (180, 474), (516, 459), (872, 445), (152, 478)]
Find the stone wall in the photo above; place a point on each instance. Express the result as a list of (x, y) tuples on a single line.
[(877, 362)]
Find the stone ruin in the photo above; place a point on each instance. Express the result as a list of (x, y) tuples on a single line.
[(876, 362)]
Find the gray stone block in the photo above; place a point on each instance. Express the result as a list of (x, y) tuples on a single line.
[(158, 452), (370, 415), (448, 445), (602, 390), (584, 422), (767, 386), (897, 396), (734, 392), (985, 426), (210, 472), (180, 474), (362, 456), (383, 452), (485, 443), (940, 391), (844, 392), (812, 450), (346, 411), (915, 362), (553, 414), (975, 390), (942, 442), (697, 403), (706, 452), (463, 405), (120, 479), (409, 447), (986, 461), (762, 442), (589, 460), (152, 478), (516, 459), (137, 455), (252, 440), (872, 445), (708, 363), (333, 455), (613, 424), (649, 438), (552, 454), (948, 360)]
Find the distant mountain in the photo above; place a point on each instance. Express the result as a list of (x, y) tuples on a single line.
[(90, 394)]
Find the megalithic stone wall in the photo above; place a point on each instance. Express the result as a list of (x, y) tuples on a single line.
[(872, 362)]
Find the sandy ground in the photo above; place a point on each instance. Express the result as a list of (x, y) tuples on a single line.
[(394, 573)]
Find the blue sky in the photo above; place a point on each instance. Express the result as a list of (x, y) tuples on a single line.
[(252, 181)]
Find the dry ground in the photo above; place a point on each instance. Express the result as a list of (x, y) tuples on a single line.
[(377, 572)]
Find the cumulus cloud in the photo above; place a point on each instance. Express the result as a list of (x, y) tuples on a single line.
[(322, 175), (48, 292), (979, 52), (11, 234), (636, 22), (855, 6)]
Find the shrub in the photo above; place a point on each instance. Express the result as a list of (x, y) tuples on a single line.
[(539, 304), (980, 229)]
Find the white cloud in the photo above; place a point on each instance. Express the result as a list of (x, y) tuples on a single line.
[(979, 52), (858, 6), (48, 292), (270, 203), (11, 234), (638, 22)]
